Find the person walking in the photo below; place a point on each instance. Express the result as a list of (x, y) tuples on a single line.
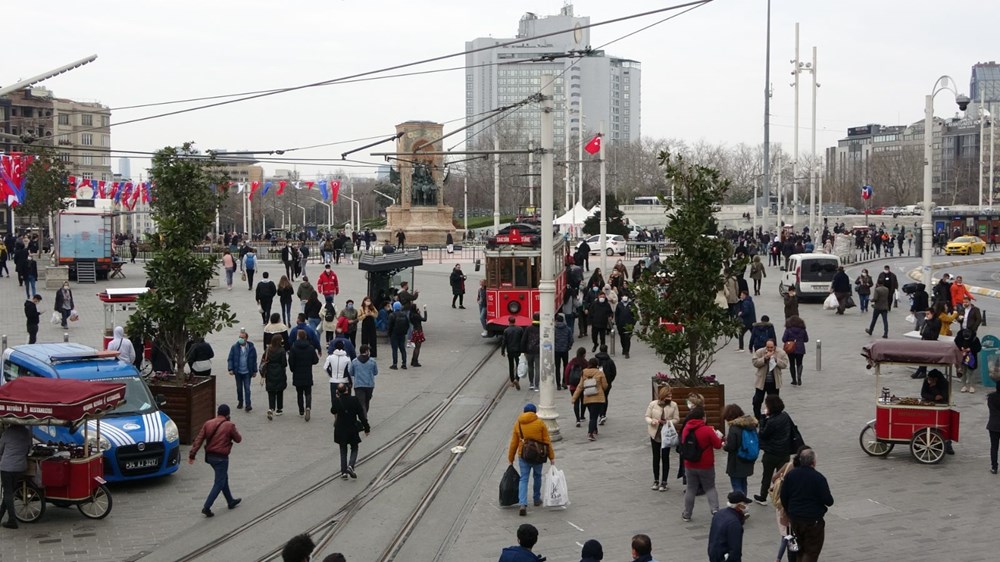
[(791, 301), (400, 240), (328, 284), (303, 258), (64, 303), (457, 280), (725, 536), (527, 537), (4, 256), (264, 296), (881, 303), (510, 346), (530, 437), (301, 358), (399, 325), (313, 312), (276, 329), (738, 468), (700, 472), (417, 337), (599, 315), (572, 376), (970, 346), (229, 265), (795, 333), (15, 444), (841, 288), (366, 317), (285, 292), (891, 282), (481, 301), (625, 322), (250, 266), (659, 413), (607, 366), (32, 316), (563, 336), (774, 438), (349, 421), (592, 389), (757, 273), (747, 315), (863, 286), (305, 293), (218, 435), (770, 362), (761, 332), (993, 425), (29, 274), (274, 377), (364, 369), (288, 259), (242, 364), (328, 320), (531, 342), (338, 367), (805, 496)]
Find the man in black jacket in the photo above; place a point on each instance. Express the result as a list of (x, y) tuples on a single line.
[(841, 287), (600, 315), (942, 291), (610, 370), (625, 321), (774, 437), (891, 282), (531, 347), (805, 495), (929, 331), (265, 296), (399, 324), (32, 314), (510, 345)]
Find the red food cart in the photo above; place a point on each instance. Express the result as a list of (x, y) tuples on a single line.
[(60, 473), (925, 426)]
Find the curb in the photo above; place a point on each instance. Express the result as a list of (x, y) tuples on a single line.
[(915, 274)]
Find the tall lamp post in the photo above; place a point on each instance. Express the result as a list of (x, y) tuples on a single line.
[(943, 83)]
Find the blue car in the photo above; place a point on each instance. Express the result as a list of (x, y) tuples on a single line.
[(138, 440)]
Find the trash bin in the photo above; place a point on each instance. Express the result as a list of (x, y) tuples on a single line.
[(989, 361)]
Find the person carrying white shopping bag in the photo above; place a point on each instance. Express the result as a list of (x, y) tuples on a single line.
[(555, 493), (531, 445)]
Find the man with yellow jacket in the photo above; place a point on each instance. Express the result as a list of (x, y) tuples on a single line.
[(530, 429)]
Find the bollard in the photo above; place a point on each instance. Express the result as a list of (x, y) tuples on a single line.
[(65, 337), (819, 355)]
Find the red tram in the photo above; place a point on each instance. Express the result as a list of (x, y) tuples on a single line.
[(513, 270)]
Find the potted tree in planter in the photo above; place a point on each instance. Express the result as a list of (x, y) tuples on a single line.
[(183, 204), (682, 319)]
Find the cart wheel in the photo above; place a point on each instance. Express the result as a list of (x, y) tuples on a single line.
[(927, 446), (29, 502), (99, 504), (871, 445)]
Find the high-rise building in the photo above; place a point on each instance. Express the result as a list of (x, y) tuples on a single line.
[(125, 168), (607, 88), (984, 85)]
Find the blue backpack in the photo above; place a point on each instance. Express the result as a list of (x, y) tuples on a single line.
[(251, 261), (749, 446)]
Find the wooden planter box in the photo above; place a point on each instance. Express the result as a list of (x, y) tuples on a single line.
[(190, 405), (715, 401)]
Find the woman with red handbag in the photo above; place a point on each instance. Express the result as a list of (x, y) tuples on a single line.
[(794, 344)]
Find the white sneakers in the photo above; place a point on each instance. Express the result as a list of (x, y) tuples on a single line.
[(485, 334), (970, 389)]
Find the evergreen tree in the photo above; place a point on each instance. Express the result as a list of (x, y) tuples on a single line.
[(46, 188), (616, 219)]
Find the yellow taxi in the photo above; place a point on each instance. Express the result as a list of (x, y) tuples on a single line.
[(966, 245)]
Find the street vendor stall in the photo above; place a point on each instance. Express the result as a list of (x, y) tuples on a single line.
[(117, 301), (63, 474), (928, 425)]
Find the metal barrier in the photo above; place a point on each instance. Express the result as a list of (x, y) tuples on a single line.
[(637, 250)]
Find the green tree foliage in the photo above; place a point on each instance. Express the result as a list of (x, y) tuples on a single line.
[(697, 272), (184, 202), (616, 219), (46, 187)]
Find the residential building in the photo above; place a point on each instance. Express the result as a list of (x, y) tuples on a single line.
[(83, 138)]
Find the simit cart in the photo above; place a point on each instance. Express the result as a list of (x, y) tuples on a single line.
[(59, 473), (925, 426)]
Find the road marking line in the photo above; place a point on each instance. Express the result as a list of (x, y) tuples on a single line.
[(577, 527)]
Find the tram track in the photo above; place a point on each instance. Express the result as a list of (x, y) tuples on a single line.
[(330, 526)]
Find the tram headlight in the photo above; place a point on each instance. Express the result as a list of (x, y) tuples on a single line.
[(513, 307), (170, 431)]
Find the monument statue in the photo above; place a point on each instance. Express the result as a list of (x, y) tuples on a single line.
[(423, 188)]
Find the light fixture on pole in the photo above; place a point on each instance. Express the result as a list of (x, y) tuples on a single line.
[(303, 215), (465, 203), (943, 83)]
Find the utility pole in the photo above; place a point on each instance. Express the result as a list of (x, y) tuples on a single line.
[(812, 143), (566, 150), (496, 184), (546, 285), (531, 174), (767, 113), (465, 197), (795, 137), (604, 208)]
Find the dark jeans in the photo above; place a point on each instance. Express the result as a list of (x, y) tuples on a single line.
[(512, 364), (607, 398), (534, 371), (578, 409), (593, 410), (562, 359), (250, 273), (364, 394), (863, 301), (7, 485), (286, 312), (583, 324), (343, 456), (743, 333), (459, 298), (243, 387), (265, 314), (398, 344), (661, 457), (304, 396), (65, 316), (276, 400), (994, 442), (795, 366), (32, 333), (811, 534), (758, 397), (769, 463), (626, 339), (598, 333), (756, 286), (885, 321), (221, 467)]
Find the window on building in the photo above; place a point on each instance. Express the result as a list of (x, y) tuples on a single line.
[(64, 118), (87, 175), (105, 121), (64, 157), (87, 139), (64, 139), (105, 140), (87, 120), (86, 160)]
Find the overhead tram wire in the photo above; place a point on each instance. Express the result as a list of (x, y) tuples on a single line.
[(399, 66)]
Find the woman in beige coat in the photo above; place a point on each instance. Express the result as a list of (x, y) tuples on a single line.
[(592, 387), (770, 361), (659, 413)]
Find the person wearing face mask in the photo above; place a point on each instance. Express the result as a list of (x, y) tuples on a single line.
[(64, 301), (30, 275), (288, 258), (660, 412), (364, 369), (457, 281), (242, 364), (349, 420), (366, 317), (599, 315), (351, 315), (693, 399)]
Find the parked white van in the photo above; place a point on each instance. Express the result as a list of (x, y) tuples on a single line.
[(810, 274)]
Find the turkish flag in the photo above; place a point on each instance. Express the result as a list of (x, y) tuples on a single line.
[(594, 146), (334, 190), (281, 187), (254, 185)]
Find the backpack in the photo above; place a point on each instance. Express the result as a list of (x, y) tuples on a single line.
[(610, 369), (575, 374), (749, 446), (590, 387), (251, 262), (331, 314), (688, 448)]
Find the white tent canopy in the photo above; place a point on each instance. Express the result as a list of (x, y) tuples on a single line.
[(576, 215)]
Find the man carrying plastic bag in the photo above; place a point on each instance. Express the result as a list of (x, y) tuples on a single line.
[(555, 493), (531, 445)]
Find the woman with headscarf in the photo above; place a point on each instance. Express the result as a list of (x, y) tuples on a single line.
[(121, 344)]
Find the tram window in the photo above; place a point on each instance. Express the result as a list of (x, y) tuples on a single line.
[(492, 273), (521, 272), (536, 270), (506, 267)]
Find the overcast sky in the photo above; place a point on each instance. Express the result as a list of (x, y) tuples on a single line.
[(702, 73)]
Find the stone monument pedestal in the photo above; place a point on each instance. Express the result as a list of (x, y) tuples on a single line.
[(422, 225)]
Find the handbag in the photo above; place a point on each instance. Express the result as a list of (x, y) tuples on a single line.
[(668, 434), (789, 346), (243, 275)]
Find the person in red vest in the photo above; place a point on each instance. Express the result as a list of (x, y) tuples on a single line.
[(327, 284)]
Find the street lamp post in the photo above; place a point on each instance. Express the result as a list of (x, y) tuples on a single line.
[(547, 285), (303, 215), (942, 83)]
